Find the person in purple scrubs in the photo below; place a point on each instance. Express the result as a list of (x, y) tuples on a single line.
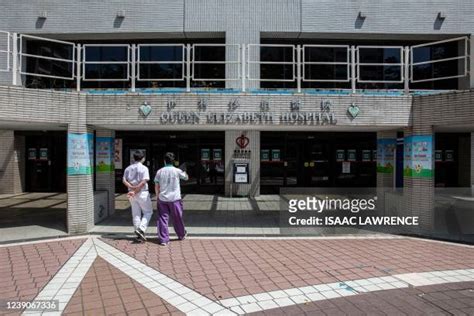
[(168, 192)]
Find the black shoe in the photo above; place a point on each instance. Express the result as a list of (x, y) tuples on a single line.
[(137, 240), (140, 234), (185, 235)]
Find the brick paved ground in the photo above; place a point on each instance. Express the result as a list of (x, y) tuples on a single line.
[(445, 299), (105, 290), (222, 269), (26, 269)]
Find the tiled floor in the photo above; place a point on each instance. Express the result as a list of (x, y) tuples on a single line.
[(445, 299), (222, 269), (25, 269), (105, 290)]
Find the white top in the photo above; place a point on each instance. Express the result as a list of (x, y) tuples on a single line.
[(168, 178), (136, 173)]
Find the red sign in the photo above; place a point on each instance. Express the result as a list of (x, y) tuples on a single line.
[(242, 141)]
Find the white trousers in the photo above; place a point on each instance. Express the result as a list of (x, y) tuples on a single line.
[(141, 205)]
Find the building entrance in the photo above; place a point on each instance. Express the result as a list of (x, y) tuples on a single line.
[(201, 154), (317, 160)]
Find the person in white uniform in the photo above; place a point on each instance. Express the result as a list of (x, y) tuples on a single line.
[(136, 178)]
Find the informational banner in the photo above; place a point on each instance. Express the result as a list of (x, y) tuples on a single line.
[(346, 167), (418, 156), (265, 155), (103, 154), (79, 153), (217, 154), (276, 155), (386, 154), (205, 154), (340, 155), (118, 153)]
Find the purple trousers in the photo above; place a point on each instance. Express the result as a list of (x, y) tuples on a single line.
[(164, 210)]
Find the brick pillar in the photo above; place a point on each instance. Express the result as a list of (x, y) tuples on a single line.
[(418, 191), (80, 208), (105, 179), (472, 163), (7, 153), (253, 188), (385, 177)]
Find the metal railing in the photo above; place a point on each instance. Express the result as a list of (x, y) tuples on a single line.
[(247, 62)]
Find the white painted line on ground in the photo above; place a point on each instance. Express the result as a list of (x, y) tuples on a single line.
[(65, 283), (40, 241), (294, 296), (181, 297)]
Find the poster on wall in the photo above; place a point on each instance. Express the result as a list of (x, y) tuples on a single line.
[(346, 167), (265, 155), (418, 156), (205, 154), (351, 155), (340, 155), (438, 155), (31, 153), (132, 151), (103, 154), (276, 155), (374, 155), (217, 154), (386, 154), (118, 154), (79, 153)]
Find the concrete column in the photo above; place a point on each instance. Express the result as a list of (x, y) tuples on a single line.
[(239, 37), (471, 52), (472, 162), (80, 208), (105, 179), (19, 164), (7, 153), (253, 188), (386, 178), (418, 192)]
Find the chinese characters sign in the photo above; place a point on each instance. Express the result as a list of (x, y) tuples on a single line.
[(418, 160)]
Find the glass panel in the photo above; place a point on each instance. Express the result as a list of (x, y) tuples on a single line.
[(103, 71), (439, 70), (326, 72), (325, 54), (380, 55), (161, 71), (209, 53), (276, 54), (106, 53), (161, 53), (209, 71), (276, 72), (380, 73), (49, 67), (49, 49), (437, 52)]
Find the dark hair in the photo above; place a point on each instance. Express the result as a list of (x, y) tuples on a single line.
[(169, 158), (138, 155)]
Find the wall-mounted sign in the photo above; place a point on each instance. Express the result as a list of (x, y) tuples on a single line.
[(241, 173), (145, 109), (265, 155), (374, 155), (351, 155), (449, 154), (32, 154), (346, 167), (366, 155), (118, 154), (217, 154), (340, 155), (79, 154), (205, 154), (353, 110), (104, 151), (418, 156), (276, 155), (242, 141), (386, 154), (438, 155), (43, 154)]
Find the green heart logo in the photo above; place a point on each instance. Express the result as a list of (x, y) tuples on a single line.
[(145, 109), (353, 110)]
